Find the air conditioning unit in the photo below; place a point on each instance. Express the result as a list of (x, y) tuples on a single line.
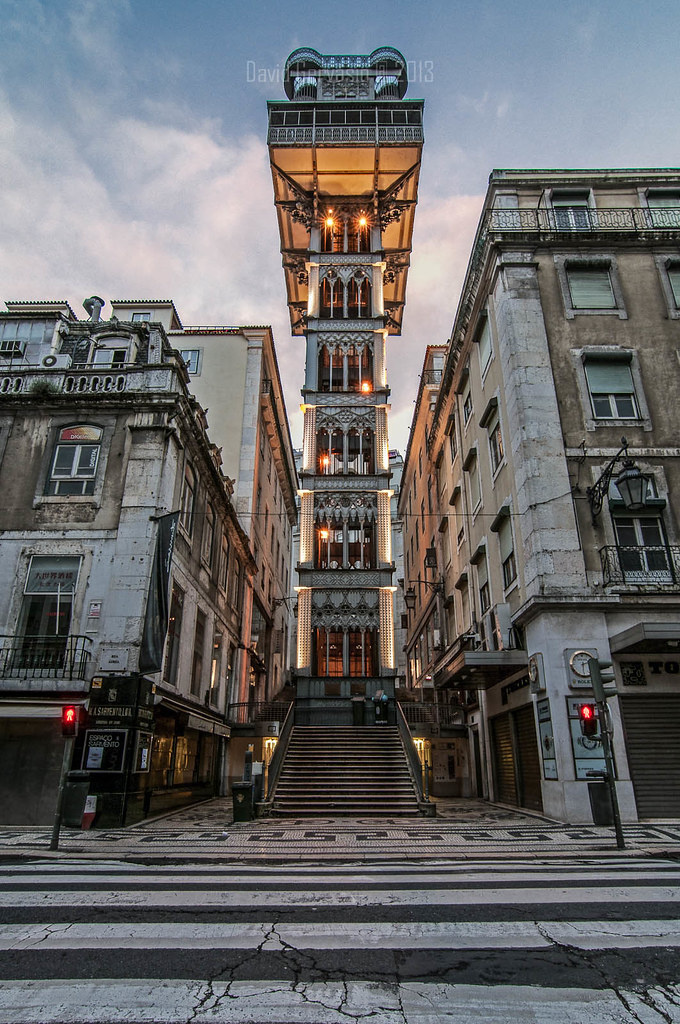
[(56, 362)]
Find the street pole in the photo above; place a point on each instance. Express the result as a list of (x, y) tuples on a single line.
[(65, 766), (603, 714)]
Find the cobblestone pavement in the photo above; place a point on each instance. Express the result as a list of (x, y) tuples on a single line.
[(462, 828)]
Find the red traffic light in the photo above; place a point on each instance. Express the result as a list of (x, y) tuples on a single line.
[(69, 720), (588, 718)]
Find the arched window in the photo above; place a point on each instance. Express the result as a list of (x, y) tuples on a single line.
[(362, 653), (336, 452), (323, 452), (329, 545), (360, 545), (353, 370), (359, 297), (328, 645), (367, 369), (332, 234)]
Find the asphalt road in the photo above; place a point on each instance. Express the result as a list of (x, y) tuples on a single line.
[(554, 942)]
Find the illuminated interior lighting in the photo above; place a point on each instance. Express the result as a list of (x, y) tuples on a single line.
[(323, 534), (365, 387)]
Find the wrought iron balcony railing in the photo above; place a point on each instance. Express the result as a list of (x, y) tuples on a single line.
[(257, 711), (575, 219), (44, 657), (432, 714), (655, 566)]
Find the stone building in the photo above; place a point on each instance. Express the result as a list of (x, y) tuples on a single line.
[(345, 156), (560, 390), (233, 372), (100, 440)]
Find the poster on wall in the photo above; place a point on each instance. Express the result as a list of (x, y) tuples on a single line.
[(104, 750), (546, 739)]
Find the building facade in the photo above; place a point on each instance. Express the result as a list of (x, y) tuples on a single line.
[(345, 157), (560, 387), (101, 443), (233, 372)]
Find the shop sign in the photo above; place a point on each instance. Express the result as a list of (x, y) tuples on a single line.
[(104, 750), (142, 759)]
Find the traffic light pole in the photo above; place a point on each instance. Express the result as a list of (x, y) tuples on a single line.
[(603, 714), (65, 766)]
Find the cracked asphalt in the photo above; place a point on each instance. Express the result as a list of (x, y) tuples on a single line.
[(513, 939)]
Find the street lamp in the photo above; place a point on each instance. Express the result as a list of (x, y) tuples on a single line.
[(410, 594), (631, 483)]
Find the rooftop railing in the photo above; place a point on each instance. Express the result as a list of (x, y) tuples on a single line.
[(571, 220)]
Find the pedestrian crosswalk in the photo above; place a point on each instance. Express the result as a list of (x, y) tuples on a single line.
[(560, 942)]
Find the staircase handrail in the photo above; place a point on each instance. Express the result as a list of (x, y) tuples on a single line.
[(414, 766), (274, 769)]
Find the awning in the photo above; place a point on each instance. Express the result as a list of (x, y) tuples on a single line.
[(647, 638), (33, 709), (479, 670)]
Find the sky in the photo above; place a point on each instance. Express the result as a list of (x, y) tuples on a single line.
[(133, 160)]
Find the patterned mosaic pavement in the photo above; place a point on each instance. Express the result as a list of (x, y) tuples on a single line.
[(461, 829)]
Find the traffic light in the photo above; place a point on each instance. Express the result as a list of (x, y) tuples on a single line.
[(69, 720), (601, 672), (588, 719)]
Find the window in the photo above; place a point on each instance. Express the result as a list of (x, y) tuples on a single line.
[(208, 539), (507, 552), (174, 638), (188, 499), (496, 445), (664, 207), (612, 393), (74, 463), (483, 586), (141, 318), (475, 486), (642, 549), (224, 563), (236, 584), (674, 280), (197, 661), (590, 288), (192, 359), (590, 285), (571, 210), (484, 342), (45, 616), (467, 408), (113, 356)]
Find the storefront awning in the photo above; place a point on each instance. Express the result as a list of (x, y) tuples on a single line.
[(479, 670), (647, 638)]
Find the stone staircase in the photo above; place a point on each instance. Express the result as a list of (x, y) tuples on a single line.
[(333, 771)]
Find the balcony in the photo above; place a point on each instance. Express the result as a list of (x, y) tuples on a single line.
[(34, 381), (649, 568), (571, 221), (44, 657)]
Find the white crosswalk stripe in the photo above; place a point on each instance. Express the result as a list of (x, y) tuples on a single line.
[(513, 940)]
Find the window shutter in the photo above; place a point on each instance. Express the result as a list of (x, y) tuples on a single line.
[(482, 573), (674, 278), (608, 377), (505, 539), (591, 288), (484, 340)]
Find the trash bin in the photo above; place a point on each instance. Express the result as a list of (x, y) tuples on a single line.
[(76, 789), (242, 797), (601, 803)]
